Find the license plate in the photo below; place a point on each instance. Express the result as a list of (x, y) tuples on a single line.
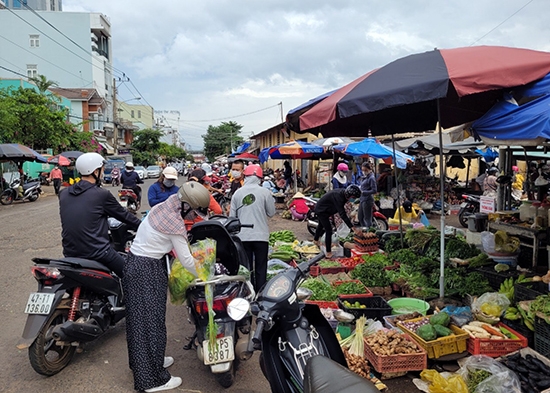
[(464, 204), (123, 203), (222, 352), (39, 303)]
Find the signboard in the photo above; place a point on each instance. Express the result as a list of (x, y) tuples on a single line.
[(487, 204)]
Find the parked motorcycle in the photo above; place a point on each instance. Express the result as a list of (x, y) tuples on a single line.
[(379, 221), (76, 302), (288, 331), (129, 199), (232, 337), (469, 207), (31, 192)]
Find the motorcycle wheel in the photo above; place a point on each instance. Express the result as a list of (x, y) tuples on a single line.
[(227, 378), (463, 215), (6, 198), (34, 196), (380, 224), (45, 356)]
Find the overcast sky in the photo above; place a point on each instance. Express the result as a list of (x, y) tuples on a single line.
[(220, 60)]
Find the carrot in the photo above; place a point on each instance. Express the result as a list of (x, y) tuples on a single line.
[(492, 331)]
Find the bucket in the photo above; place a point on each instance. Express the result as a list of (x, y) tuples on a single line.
[(407, 305), (481, 220), (472, 223)]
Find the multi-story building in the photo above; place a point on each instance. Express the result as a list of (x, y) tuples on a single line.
[(37, 5), (29, 46)]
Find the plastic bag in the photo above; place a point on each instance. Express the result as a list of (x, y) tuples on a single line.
[(460, 316), (424, 220), (491, 303), (488, 242), (502, 379), (453, 384), (204, 252), (178, 282)]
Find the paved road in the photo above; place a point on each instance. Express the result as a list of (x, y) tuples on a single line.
[(33, 230)]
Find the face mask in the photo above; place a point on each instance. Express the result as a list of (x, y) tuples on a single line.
[(341, 173), (168, 183), (236, 174), (129, 170)]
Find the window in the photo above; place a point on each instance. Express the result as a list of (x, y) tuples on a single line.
[(139, 114), (52, 5), (132, 114), (32, 70), (16, 3), (34, 40)]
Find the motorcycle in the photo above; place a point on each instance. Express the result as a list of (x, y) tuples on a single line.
[(115, 180), (232, 337), (76, 302), (379, 221), (470, 206), (129, 199), (31, 192), (288, 331)]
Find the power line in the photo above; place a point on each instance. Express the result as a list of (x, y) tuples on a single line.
[(232, 117), (501, 23)]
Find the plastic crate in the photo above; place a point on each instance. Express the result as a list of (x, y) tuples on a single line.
[(496, 278), (315, 270), (367, 292), (496, 348), (520, 327), (542, 336), (397, 363), (351, 262), (529, 290), (323, 304), (376, 307), (442, 346)]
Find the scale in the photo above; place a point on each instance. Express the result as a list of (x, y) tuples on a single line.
[(345, 326)]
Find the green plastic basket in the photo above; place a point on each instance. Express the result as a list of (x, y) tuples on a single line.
[(407, 305)]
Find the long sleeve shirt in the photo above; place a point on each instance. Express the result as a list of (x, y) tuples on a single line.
[(334, 202), (368, 188)]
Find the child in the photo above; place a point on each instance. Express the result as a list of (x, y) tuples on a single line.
[(298, 207)]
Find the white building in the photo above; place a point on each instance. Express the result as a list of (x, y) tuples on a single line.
[(37, 5), (31, 47)]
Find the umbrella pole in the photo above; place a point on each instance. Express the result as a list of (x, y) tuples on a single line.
[(468, 173), (397, 188), (442, 196)]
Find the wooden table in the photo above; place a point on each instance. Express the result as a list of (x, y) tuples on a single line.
[(528, 237)]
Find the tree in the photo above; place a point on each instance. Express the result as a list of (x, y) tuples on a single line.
[(171, 152), (146, 146), (43, 83), (220, 139)]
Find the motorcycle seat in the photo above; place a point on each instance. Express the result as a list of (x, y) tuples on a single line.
[(26, 186), (324, 375), (85, 263)]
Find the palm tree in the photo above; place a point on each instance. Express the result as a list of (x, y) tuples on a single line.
[(43, 83)]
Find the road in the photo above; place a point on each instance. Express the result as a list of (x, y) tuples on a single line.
[(34, 230)]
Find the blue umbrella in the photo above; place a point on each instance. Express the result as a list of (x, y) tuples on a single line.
[(370, 147), (291, 149)]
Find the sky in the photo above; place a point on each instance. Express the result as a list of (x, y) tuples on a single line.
[(237, 60)]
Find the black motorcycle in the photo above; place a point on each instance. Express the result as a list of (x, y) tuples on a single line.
[(288, 331), (31, 191), (469, 207), (232, 337), (76, 302)]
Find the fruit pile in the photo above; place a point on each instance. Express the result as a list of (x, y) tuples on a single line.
[(366, 242)]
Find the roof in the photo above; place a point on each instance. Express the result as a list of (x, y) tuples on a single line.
[(79, 94)]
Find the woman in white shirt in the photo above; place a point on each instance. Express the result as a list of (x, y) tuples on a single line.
[(145, 284)]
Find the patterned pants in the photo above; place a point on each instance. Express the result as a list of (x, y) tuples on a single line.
[(145, 283)]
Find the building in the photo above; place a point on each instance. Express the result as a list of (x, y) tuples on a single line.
[(31, 47), (37, 5), (139, 115)]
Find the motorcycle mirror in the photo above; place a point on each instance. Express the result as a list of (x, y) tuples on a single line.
[(238, 308), (303, 293), (342, 316)]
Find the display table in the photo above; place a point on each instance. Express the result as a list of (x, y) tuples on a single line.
[(528, 237)]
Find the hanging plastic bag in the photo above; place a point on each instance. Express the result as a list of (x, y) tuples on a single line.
[(178, 282), (488, 242), (439, 384), (491, 303), (500, 380)]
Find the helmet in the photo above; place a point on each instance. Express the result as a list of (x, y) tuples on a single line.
[(198, 174), (170, 173), (129, 164), (195, 194), (87, 163), (515, 168), (342, 167), (353, 191), (254, 170), (492, 171), (206, 168)]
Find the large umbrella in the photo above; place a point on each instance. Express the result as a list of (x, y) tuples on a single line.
[(448, 87), (370, 147), (291, 149), (19, 153), (60, 160), (72, 154), (246, 156)]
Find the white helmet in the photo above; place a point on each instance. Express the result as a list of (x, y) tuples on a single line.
[(129, 164), (87, 163), (170, 173), (207, 168), (195, 194)]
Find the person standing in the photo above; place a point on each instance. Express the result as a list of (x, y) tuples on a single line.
[(165, 186), (236, 176), (145, 284), (331, 203), (57, 176), (340, 179), (490, 182), (130, 180), (368, 189), (84, 208), (287, 175), (253, 204)]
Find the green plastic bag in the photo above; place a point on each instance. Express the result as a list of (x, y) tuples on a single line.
[(178, 282)]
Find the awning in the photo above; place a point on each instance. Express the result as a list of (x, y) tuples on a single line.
[(110, 149)]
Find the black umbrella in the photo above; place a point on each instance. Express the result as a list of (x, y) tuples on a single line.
[(19, 153), (72, 154)]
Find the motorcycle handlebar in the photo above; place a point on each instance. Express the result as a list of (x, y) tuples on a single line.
[(247, 225), (260, 324)]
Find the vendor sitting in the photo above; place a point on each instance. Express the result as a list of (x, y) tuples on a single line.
[(298, 207), (407, 211)]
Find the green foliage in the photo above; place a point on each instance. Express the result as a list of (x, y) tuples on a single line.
[(171, 152), (219, 139), (146, 144), (372, 273)]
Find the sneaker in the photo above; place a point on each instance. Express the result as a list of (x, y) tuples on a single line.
[(173, 383), (168, 361)]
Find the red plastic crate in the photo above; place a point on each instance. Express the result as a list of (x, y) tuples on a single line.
[(323, 304), (496, 348), (367, 293), (398, 363), (351, 262), (315, 270)]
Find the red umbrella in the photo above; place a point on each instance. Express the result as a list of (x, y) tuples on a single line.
[(60, 160), (402, 95), (246, 156)]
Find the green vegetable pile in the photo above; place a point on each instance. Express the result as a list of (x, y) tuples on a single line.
[(282, 236), (418, 239), (371, 273), (284, 252), (321, 289), (393, 244), (458, 248), (475, 377), (350, 288), (328, 263)]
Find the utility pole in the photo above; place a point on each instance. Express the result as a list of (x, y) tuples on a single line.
[(115, 119)]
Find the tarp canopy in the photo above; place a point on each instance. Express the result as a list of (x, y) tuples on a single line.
[(292, 150), (370, 147)]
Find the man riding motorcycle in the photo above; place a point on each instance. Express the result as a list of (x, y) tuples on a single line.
[(84, 208), (130, 179)]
